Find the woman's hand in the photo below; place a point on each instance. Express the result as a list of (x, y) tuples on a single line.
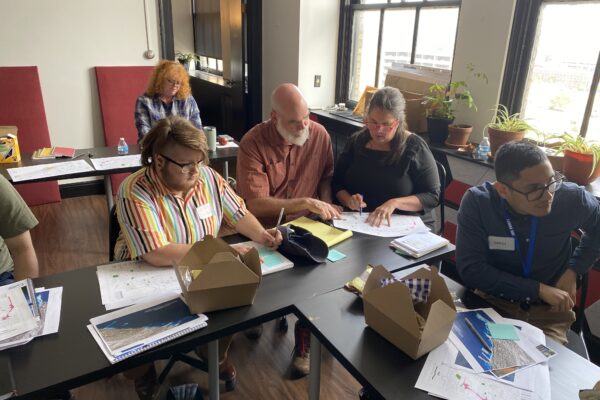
[(382, 213), (356, 202), (241, 248), (271, 238)]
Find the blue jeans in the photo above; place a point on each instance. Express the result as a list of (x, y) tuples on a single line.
[(6, 278)]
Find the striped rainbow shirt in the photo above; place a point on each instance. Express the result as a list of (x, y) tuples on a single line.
[(151, 217)]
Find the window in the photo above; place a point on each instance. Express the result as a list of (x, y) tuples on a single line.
[(558, 91), (379, 33)]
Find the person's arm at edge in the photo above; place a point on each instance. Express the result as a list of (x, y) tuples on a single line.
[(142, 117), (168, 255), (23, 255), (194, 113), (249, 226)]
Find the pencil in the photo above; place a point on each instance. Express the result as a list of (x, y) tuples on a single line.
[(472, 328), (360, 206), (280, 217)]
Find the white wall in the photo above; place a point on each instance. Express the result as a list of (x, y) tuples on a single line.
[(319, 20), (183, 32), (483, 36), (66, 39), (280, 46)]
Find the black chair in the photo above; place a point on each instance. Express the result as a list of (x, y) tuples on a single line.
[(442, 175), (113, 233)]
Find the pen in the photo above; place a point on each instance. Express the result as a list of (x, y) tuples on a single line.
[(78, 155), (360, 206), (472, 328), (280, 217)]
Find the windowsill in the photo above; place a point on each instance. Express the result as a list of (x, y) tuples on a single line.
[(212, 78)]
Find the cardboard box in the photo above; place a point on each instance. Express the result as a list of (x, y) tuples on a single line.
[(9, 145), (214, 276), (390, 312)]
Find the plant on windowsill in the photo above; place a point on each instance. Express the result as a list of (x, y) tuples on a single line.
[(550, 144), (187, 59), (580, 159), (505, 127)]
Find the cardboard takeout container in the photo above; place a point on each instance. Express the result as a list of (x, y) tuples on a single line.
[(214, 276)]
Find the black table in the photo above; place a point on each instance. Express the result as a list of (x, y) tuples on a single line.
[(71, 358), (337, 321), (223, 155)]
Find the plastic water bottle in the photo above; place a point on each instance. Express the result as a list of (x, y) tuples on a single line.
[(483, 149), (122, 147)]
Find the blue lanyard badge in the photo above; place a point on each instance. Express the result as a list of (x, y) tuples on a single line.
[(528, 263)]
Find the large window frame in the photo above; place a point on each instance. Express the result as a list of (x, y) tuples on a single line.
[(519, 58), (347, 10)]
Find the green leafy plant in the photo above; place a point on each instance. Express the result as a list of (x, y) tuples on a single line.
[(504, 121), (578, 144), (185, 58), (442, 99)]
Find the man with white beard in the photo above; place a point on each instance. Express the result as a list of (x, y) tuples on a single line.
[(287, 162)]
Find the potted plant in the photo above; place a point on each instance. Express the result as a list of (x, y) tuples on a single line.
[(550, 144), (505, 127), (439, 110), (187, 59), (580, 159)]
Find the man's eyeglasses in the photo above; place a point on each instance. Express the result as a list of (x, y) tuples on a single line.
[(537, 194), (386, 127), (187, 167), (174, 82)]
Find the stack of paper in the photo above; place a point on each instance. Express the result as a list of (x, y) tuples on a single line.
[(270, 260), (330, 235), (418, 244), (130, 282), (132, 330), (463, 368)]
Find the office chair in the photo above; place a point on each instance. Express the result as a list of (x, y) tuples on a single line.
[(442, 175), (113, 233)]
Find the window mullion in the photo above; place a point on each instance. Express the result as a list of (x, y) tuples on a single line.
[(590, 102), (379, 43), (415, 31)]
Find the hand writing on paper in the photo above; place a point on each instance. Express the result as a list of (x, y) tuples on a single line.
[(382, 213), (557, 298), (356, 202), (323, 209), (272, 238)]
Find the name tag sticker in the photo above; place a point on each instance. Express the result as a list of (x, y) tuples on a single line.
[(501, 243), (204, 211)]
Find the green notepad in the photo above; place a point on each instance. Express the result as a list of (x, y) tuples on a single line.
[(503, 331), (335, 255)]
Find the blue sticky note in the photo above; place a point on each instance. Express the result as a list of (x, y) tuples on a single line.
[(503, 331), (335, 255)]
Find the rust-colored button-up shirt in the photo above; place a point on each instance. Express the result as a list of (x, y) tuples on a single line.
[(269, 167)]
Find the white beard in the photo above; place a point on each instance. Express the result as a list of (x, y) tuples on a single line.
[(295, 138)]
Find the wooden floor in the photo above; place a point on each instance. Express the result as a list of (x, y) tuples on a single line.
[(74, 233)]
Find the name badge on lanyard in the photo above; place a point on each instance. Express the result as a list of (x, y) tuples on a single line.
[(527, 262), (501, 243)]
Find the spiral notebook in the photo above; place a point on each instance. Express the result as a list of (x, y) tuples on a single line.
[(132, 330)]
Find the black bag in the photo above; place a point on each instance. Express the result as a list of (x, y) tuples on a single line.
[(298, 241)]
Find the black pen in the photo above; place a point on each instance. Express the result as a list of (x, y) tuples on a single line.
[(472, 328)]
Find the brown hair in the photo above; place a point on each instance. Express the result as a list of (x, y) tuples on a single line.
[(173, 130), (389, 100), (166, 69)]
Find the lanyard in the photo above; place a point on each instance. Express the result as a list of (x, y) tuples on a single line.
[(528, 263)]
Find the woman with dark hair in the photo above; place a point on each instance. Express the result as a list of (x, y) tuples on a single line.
[(386, 169), (168, 93)]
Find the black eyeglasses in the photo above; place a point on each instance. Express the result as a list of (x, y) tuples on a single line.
[(537, 194), (187, 167)]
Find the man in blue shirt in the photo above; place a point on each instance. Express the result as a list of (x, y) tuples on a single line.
[(513, 241)]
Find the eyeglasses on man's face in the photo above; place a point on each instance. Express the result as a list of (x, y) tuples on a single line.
[(538, 193), (386, 126), (186, 168)]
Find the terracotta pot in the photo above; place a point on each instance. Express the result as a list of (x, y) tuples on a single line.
[(438, 129), (577, 168), (498, 138), (459, 134)]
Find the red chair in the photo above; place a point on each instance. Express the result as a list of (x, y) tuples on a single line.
[(118, 88), (22, 105)]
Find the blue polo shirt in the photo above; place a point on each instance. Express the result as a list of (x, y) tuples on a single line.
[(500, 272)]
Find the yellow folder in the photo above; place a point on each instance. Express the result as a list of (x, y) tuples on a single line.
[(329, 234)]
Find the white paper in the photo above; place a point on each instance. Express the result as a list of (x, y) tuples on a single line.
[(15, 315), (401, 225), (116, 162), (50, 307), (229, 144), (48, 170), (126, 283)]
